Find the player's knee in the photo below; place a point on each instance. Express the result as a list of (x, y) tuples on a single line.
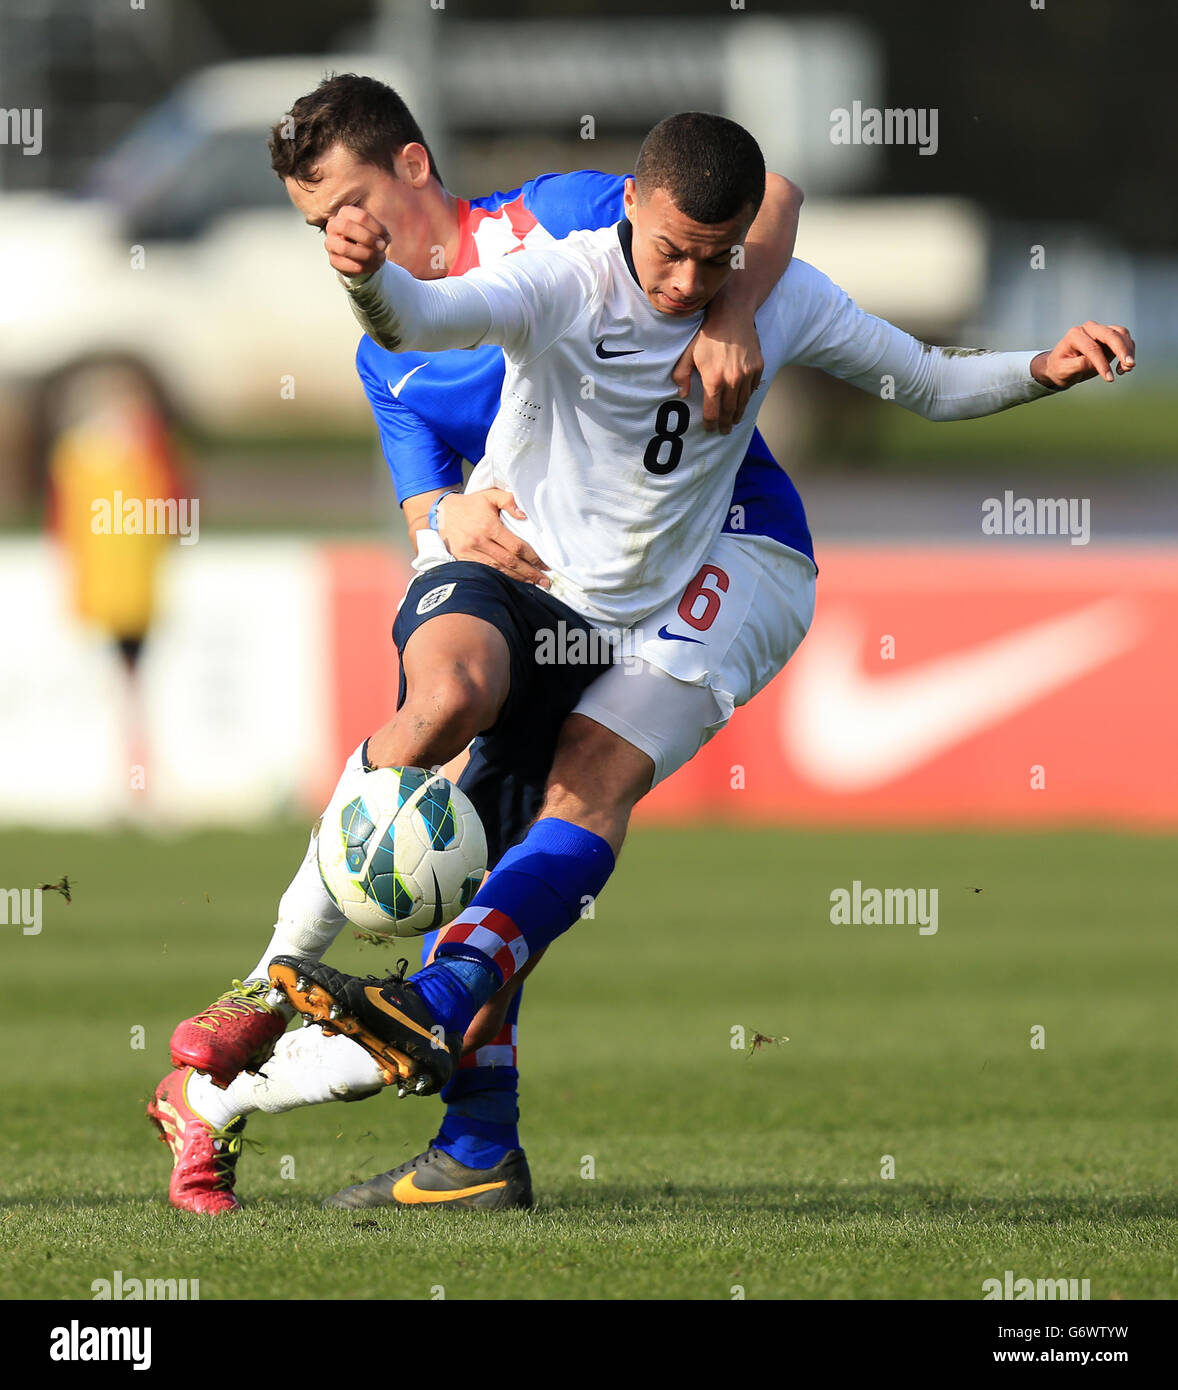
[(465, 695), (457, 676), (596, 779), (593, 759)]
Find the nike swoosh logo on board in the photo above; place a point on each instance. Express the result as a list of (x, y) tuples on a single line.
[(848, 732), (406, 1190), (604, 353), (678, 637), (374, 997)]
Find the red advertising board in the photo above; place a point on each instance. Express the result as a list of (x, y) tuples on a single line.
[(966, 686), (991, 685)]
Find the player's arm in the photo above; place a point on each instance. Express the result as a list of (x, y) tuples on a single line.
[(726, 352), (521, 305), (952, 384), (945, 383), (468, 525), (426, 469)]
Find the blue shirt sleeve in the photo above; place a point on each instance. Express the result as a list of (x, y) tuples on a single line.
[(580, 202), (419, 460)]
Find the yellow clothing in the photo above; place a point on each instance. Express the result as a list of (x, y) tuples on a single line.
[(113, 490)]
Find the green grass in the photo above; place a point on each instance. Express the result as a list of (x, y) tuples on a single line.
[(713, 1168)]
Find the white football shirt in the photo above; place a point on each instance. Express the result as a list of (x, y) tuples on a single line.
[(623, 488)]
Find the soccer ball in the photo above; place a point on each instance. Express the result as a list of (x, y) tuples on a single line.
[(401, 850)]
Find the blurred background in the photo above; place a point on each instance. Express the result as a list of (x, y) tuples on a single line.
[(984, 716), (169, 329)]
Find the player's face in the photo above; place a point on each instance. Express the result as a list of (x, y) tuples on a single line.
[(681, 264), (394, 199)]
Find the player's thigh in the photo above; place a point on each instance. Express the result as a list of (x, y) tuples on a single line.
[(737, 623), (508, 764), (454, 633)]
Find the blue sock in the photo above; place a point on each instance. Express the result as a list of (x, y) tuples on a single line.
[(534, 894), (456, 988), (482, 1116), (481, 1124)]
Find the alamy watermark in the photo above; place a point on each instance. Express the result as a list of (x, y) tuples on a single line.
[(146, 516), (569, 645), (1037, 516), (131, 1289), (868, 125), (21, 125), (1008, 1287), (868, 907), (21, 907), (83, 1343)]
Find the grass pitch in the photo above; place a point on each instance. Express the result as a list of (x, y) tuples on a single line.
[(713, 1171)]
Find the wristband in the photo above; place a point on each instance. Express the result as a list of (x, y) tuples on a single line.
[(432, 521)]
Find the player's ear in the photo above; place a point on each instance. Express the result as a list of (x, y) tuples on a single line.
[(629, 198), (413, 164)]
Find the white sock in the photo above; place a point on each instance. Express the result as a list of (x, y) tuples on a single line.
[(309, 1067), (308, 921)]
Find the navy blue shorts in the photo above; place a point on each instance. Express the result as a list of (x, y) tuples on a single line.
[(510, 762)]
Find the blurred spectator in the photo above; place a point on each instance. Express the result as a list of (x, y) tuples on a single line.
[(114, 495)]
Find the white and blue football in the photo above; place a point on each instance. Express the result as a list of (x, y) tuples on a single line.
[(401, 850)]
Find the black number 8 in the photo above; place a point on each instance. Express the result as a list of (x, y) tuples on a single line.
[(670, 423)]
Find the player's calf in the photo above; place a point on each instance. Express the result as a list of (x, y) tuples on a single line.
[(597, 779)]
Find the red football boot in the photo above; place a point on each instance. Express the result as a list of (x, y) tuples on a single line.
[(235, 1034), (204, 1159)]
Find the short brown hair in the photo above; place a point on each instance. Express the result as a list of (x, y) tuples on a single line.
[(711, 168), (369, 119)]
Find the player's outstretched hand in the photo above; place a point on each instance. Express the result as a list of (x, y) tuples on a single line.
[(729, 370), (469, 525), (355, 241), (1084, 352)]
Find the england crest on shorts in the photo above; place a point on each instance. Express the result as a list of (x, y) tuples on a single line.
[(434, 599)]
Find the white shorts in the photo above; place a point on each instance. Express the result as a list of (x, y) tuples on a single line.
[(692, 663)]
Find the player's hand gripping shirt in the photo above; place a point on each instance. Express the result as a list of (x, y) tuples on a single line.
[(623, 488)]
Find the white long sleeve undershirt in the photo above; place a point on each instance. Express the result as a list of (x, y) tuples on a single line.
[(525, 302)]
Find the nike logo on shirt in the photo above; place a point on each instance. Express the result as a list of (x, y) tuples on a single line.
[(395, 391), (604, 353)]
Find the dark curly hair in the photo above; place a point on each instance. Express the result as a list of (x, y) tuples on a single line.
[(360, 113)]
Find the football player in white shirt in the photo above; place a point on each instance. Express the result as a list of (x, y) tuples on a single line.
[(357, 143), (623, 493)]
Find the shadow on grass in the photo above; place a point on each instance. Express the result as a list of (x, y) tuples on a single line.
[(837, 1202), (816, 1201)]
